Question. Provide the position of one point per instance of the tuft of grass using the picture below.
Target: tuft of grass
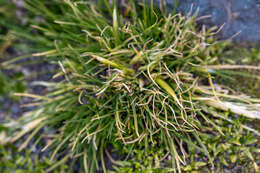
(136, 78)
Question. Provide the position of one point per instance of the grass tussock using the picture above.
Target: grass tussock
(135, 78)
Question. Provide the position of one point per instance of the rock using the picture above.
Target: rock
(241, 17)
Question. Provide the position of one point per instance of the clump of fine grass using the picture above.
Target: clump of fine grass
(133, 78)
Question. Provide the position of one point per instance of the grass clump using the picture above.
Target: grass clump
(136, 79)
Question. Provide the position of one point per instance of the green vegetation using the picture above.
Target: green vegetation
(11, 84)
(249, 80)
(14, 161)
(10, 81)
(137, 80)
